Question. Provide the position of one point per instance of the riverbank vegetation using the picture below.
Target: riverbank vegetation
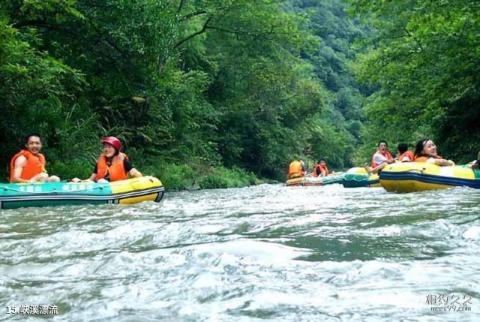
(192, 85)
(218, 93)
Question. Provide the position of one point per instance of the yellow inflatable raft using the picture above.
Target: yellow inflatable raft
(305, 181)
(418, 176)
(336, 177)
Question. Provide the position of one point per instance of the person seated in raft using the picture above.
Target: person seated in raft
(296, 169)
(475, 165)
(28, 165)
(426, 151)
(112, 165)
(381, 158)
(320, 169)
(403, 154)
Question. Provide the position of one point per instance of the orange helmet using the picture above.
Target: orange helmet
(113, 141)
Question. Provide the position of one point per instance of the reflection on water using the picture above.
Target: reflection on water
(265, 252)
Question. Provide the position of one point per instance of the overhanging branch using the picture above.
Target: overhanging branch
(201, 31)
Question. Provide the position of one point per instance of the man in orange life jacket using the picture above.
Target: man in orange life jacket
(112, 165)
(320, 169)
(381, 158)
(28, 165)
(403, 154)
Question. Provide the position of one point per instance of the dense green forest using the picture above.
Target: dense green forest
(423, 62)
(189, 86)
(216, 93)
(338, 132)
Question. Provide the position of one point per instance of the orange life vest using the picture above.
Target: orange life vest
(386, 155)
(320, 170)
(35, 165)
(407, 154)
(424, 158)
(295, 169)
(116, 170)
(324, 170)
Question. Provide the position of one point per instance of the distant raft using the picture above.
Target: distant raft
(358, 177)
(419, 176)
(316, 181)
(16, 195)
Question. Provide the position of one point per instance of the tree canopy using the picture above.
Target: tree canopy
(423, 61)
(235, 83)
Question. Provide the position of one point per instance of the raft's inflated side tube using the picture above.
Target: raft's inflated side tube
(316, 181)
(358, 177)
(16, 195)
(305, 181)
(418, 176)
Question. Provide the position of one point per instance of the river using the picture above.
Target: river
(259, 253)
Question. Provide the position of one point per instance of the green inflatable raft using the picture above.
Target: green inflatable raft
(13, 195)
(358, 177)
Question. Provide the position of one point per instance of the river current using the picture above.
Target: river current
(259, 253)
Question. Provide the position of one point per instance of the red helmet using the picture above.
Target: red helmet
(113, 141)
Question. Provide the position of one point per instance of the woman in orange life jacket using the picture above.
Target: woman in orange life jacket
(112, 165)
(426, 151)
(380, 158)
(403, 154)
(320, 169)
(28, 165)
